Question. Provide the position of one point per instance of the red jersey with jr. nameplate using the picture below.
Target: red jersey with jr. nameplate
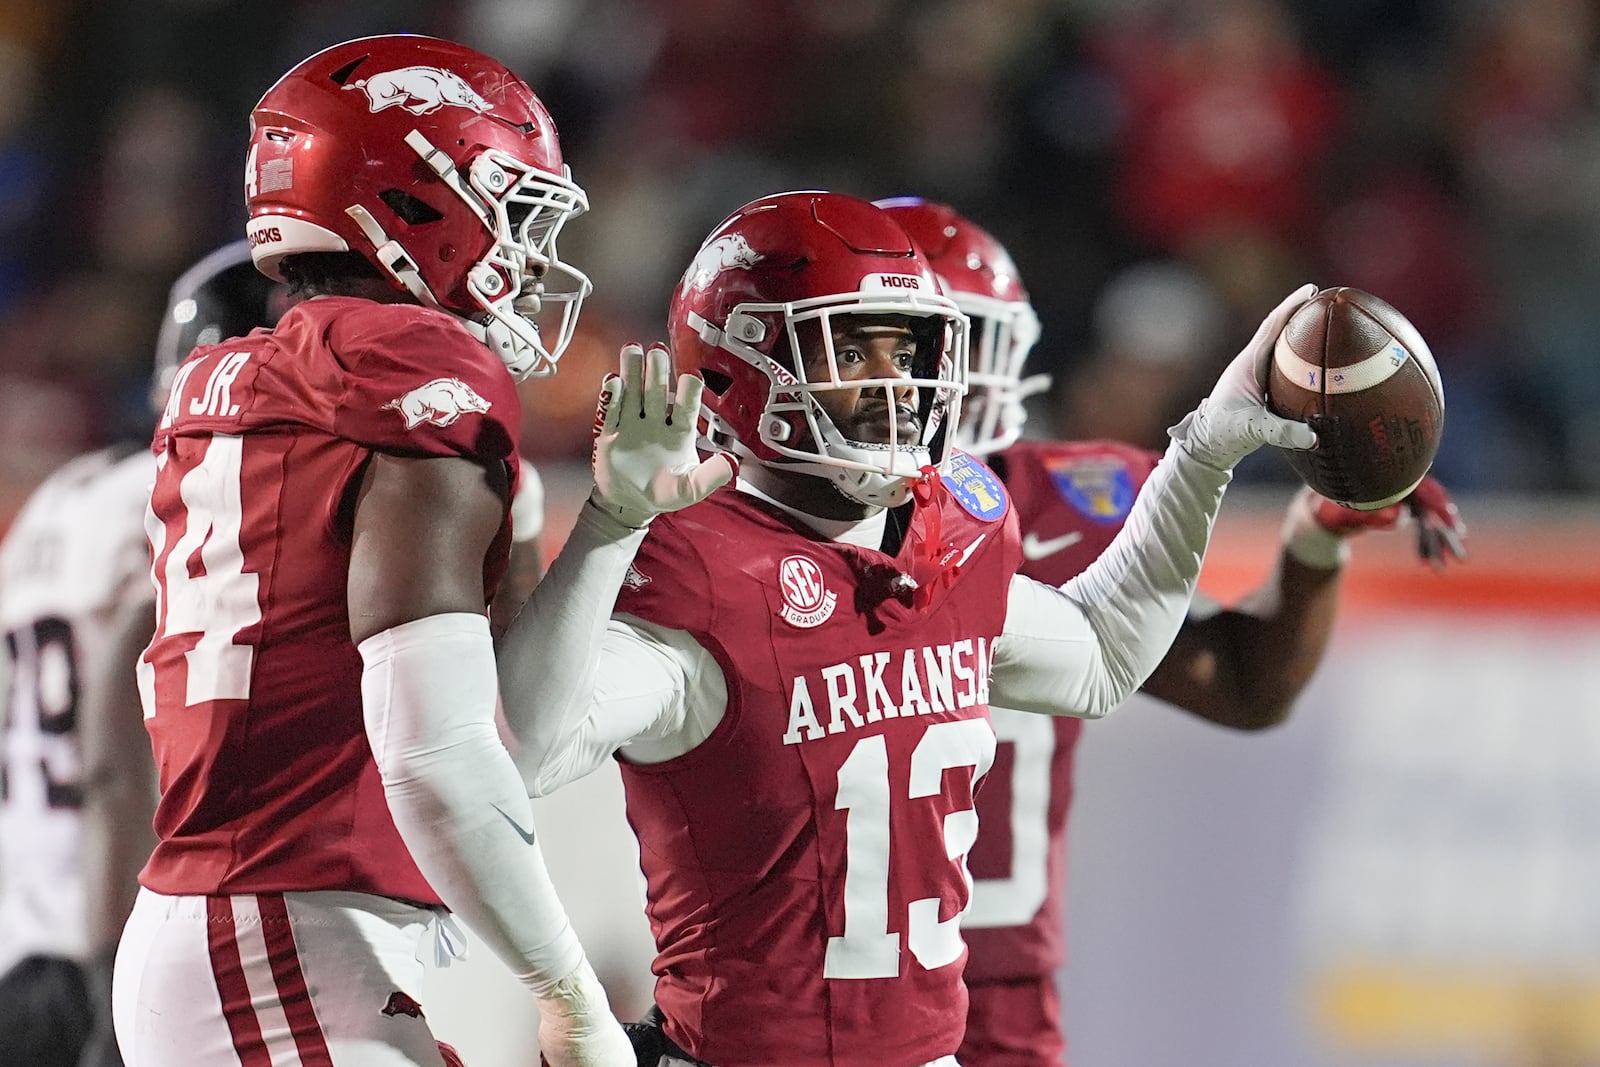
(252, 684)
(805, 863)
(1071, 499)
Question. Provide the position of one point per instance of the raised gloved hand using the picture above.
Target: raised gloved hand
(1234, 421)
(645, 461)
(1316, 530)
(576, 1026)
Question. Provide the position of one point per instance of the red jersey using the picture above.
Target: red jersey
(252, 684)
(805, 863)
(1071, 499)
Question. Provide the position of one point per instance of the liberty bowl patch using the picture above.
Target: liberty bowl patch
(1101, 489)
(974, 486)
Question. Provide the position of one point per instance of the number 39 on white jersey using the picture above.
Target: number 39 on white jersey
(74, 556)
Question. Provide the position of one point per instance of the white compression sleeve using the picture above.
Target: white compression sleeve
(428, 693)
(1133, 598)
(548, 656)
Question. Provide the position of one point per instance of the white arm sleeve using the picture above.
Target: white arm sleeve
(1084, 648)
(657, 695)
(549, 655)
(428, 694)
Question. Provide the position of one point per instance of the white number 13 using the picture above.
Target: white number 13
(868, 948)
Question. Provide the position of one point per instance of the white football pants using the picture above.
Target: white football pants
(274, 980)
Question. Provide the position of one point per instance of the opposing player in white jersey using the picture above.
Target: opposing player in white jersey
(1239, 667)
(77, 784)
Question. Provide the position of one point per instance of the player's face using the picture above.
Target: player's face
(866, 347)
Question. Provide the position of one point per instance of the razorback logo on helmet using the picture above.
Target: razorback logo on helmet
(725, 253)
(881, 283)
(420, 90)
(441, 402)
(807, 600)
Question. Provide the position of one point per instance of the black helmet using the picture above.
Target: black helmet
(221, 296)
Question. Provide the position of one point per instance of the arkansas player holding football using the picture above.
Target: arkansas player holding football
(78, 783)
(329, 520)
(1241, 667)
(797, 674)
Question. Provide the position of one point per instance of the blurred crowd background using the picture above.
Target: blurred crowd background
(1162, 170)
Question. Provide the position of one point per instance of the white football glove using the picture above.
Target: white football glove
(645, 461)
(576, 1026)
(1234, 421)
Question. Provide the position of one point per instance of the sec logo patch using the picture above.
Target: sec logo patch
(974, 486)
(807, 600)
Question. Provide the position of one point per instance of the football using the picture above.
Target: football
(1360, 374)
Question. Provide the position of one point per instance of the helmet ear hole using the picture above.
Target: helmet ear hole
(716, 381)
(411, 210)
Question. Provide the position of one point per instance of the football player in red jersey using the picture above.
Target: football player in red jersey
(78, 786)
(328, 521)
(1240, 667)
(797, 675)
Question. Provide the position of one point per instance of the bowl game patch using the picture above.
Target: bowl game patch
(975, 487)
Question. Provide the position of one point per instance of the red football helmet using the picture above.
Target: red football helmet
(440, 166)
(977, 272)
(792, 262)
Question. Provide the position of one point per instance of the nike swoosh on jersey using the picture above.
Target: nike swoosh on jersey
(1033, 548)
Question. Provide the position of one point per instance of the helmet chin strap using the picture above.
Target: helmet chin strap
(520, 357)
(394, 259)
(877, 487)
(872, 487)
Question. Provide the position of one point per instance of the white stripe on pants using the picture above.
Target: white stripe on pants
(353, 952)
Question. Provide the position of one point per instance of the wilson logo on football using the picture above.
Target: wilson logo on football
(807, 601)
(440, 402)
(420, 90)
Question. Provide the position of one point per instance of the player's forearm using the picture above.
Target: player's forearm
(428, 691)
(549, 657)
(1135, 596)
(657, 694)
(1244, 667)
